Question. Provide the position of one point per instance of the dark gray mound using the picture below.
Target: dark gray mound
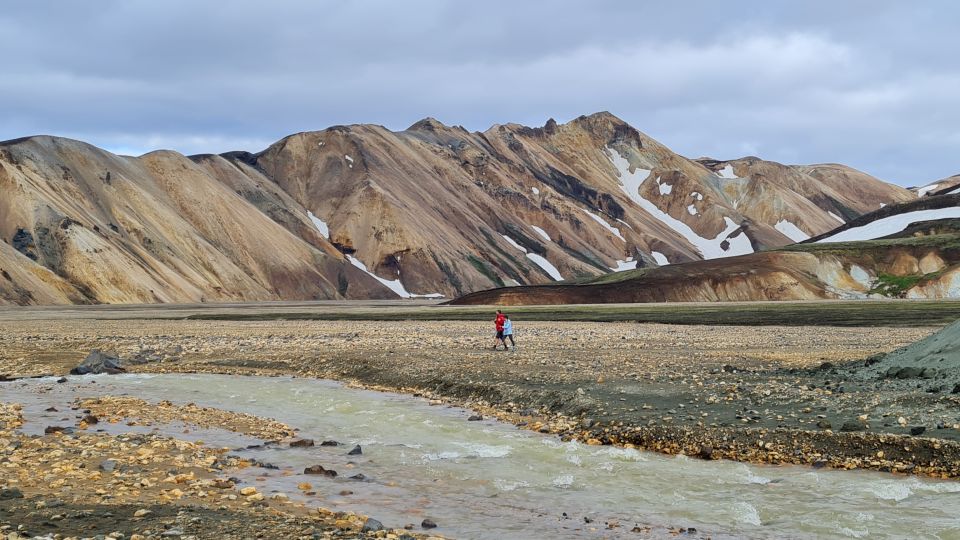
(935, 357)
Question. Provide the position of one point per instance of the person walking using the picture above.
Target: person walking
(498, 324)
(508, 333)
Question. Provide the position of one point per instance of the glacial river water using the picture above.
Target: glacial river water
(489, 480)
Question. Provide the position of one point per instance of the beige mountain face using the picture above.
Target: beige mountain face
(363, 212)
(82, 225)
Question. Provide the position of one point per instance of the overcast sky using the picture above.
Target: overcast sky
(872, 84)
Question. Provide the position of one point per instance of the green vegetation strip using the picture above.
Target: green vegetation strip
(838, 313)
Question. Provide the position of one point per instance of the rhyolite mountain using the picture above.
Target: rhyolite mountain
(364, 212)
(905, 250)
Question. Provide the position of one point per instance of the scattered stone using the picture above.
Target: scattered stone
(851, 426)
(62, 380)
(428, 524)
(329, 443)
(301, 443)
(90, 419)
(319, 470)
(917, 430)
(10, 493)
(107, 465)
(371, 525)
(356, 451)
(475, 418)
(143, 512)
(98, 363)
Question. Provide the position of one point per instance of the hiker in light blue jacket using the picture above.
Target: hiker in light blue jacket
(508, 333)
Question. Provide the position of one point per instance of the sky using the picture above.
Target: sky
(870, 84)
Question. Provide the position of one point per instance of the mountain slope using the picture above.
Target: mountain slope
(152, 229)
(363, 212)
(917, 258)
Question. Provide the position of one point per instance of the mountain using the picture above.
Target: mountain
(363, 212)
(908, 250)
(947, 186)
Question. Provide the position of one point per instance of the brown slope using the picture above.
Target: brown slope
(925, 264)
(152, 229)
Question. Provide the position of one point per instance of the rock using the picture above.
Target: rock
(356, 451)
(706, 452)
(956, 389)
(10, 493)
(108, 465)
(301, 443)
(247, 491)
(53, 429)
(359, 477)
(329, 443)
(90, 419)
(820, 463)
(825, 424)
(97, 363)
(474, 418)
(172, 532)
(428, 524)
(917, 430)
(143, 512)
(318, 469)
(371, 525)
(850, 426)
(62, 380)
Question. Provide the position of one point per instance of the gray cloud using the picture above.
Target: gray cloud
(871, 84)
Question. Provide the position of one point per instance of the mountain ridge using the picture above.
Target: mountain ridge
(359, 211)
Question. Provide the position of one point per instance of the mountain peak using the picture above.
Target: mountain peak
(427, 124)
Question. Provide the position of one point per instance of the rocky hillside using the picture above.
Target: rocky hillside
(363, 212)
(910, 250)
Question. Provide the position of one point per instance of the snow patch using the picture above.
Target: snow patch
(882, 205)
(697, 195)
(349, 160)
(613, 230)
(954, 192)
(692, 210)
(727, 172)
(539, 260)
(541, 232)
(709, 248)
(514, 243)
(891, 225)
(861, 276)
(550, 269)
(836, 217)
(394, 285)
(628, 264)
(660, 258)
(630, 182)
(665, 189)
(791, 231)
(535, 191)
(924, 190)
(320, 224)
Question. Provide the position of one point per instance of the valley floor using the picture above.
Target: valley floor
(774, 394)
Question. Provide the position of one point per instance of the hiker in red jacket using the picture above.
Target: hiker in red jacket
(498, 323)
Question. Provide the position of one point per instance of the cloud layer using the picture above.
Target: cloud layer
(875, 85)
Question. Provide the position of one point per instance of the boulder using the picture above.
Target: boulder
(97, 363)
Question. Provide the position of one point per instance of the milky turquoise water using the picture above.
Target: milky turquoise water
(492, 480)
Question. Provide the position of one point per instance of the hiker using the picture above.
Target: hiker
(508, 333)
(498, 324)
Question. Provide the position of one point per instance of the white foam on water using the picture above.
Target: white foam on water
(509, 485)
(485, 450)
(891, 491)
(563, 481)
(745, 512)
